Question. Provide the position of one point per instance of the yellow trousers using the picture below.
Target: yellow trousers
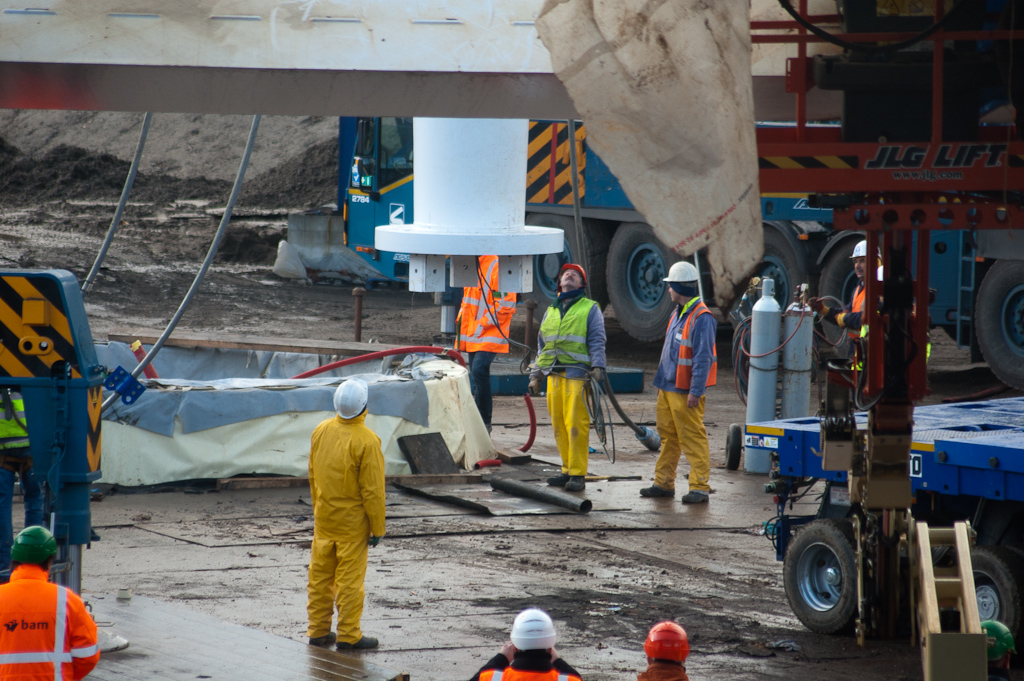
(571, 422)
(682, 431)
(337, 571)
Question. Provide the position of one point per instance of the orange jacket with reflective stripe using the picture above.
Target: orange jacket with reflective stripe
(511, 674)
(684, 365)
(857, 306)
(486, 316)
(45, 631)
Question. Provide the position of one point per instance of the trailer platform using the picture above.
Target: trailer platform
(970, 448)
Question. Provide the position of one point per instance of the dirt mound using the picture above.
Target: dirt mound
(68, 172)
(307, 180)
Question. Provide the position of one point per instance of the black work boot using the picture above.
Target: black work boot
(325, 640)
(655, 491)
(362, 644)
(576, 484)
(558, 480)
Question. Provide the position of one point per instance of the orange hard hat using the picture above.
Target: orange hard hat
(571, 266)
(667, 641)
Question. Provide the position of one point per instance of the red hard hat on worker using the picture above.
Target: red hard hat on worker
(570, 266)
(667, 641)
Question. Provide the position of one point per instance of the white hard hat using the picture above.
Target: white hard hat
(879, 273)
(533, 630)
(350, 398)
(860, 250)
(682, 271)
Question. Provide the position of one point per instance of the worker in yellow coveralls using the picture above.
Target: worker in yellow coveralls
(346, 482)
(572, 344)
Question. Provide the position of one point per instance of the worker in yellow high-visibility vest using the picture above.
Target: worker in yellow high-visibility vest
(572, 344)
(15, 459)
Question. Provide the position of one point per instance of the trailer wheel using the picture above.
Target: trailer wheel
(637, 263)
(546, 267)
(998, 580)
(999, 321)
(733, 446)
(820, 576)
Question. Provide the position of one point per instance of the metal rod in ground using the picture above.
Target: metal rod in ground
(548, 496)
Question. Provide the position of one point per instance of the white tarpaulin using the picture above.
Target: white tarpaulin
(278, 444)
(665, 91)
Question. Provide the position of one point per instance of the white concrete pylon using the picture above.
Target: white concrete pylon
(470, 198)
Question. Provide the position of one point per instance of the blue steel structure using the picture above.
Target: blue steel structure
(961, 453)
(47, 350)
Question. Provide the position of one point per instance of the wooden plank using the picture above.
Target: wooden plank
(195, 339)
(928, 607)
(970, 622)
(159, 633)
(426, 479)
(513, 457)
(275, 482)
(281, 482)
(428, 453)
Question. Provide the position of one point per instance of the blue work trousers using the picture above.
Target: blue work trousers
(33, 499)
(480, 379)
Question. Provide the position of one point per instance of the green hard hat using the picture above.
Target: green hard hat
(1000, 640)
(33, 545)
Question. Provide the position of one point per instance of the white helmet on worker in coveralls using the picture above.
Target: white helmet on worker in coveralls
(860, 250)
(350, 398)
(533, 630)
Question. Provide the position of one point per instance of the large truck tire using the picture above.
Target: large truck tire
(838, 281)
(637, 264)
(546, 267)
(782, 265)
(998, 581)
(999, 321)
(820, 576)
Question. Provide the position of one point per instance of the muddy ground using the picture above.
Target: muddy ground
(443, 587)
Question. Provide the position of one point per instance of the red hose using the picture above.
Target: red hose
(533, 424)
(140, 355)
(383, 353)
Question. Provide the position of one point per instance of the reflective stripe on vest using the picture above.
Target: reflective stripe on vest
(13, 425)
(58, 656)
(566, 337)
(684, 363)
(485, 322)
(513, 674)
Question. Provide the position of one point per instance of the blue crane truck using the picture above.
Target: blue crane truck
(979, 302)
(966, 463)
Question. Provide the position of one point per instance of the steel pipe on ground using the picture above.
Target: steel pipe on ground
(525, 489)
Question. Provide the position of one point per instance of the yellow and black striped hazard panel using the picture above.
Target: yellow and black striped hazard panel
(548, 169)
(808, 162)
(34, 330)
(93, 441)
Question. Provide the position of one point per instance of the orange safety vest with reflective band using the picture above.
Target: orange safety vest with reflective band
(684, 364)
(510, 674)
(857, 306)
(45, 632)
(485, 319)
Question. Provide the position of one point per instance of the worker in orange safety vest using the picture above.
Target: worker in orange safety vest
(484, 322)
(851, 318)
(45, 631)
(530, 654)
(688, 367)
